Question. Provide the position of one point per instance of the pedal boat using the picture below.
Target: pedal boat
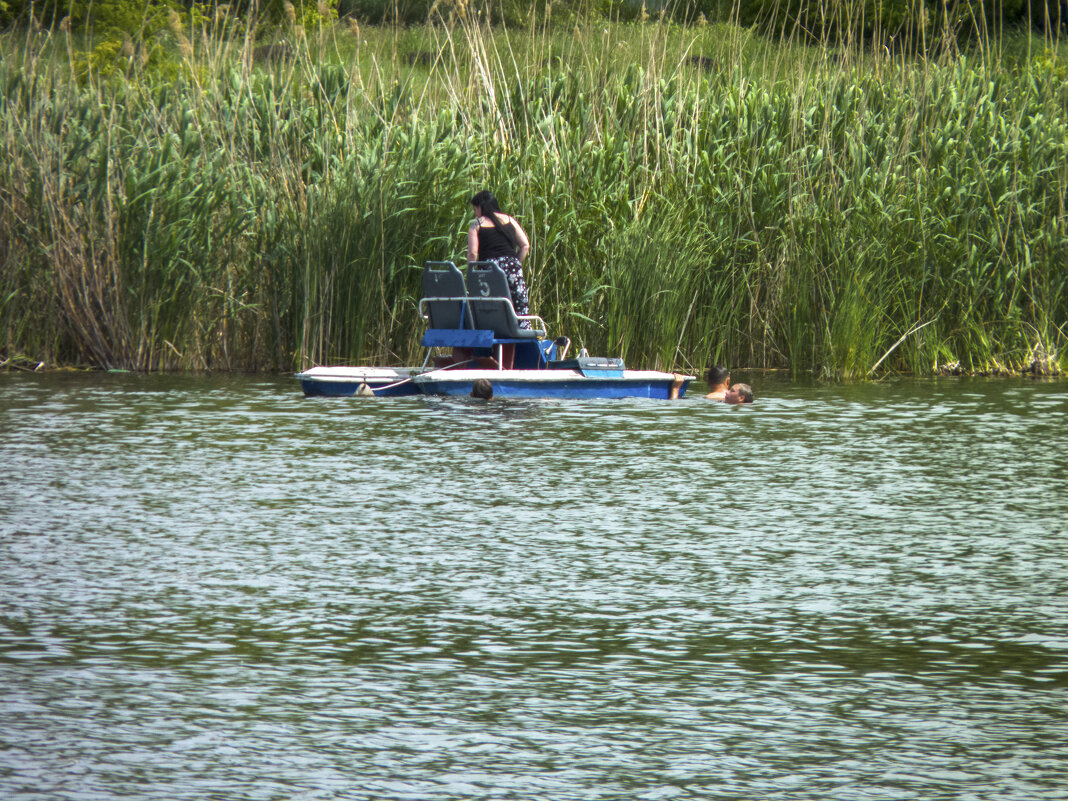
(473, 318)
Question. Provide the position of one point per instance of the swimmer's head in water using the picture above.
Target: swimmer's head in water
(739, 393)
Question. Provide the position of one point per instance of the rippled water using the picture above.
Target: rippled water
(213, 588)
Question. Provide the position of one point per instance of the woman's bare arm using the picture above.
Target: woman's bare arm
(523, 244)
(472, 242)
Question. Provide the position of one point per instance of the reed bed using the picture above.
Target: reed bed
(694, 195)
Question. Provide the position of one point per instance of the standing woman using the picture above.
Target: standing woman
(494, 236)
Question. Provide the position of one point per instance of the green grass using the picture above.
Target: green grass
(693, 195)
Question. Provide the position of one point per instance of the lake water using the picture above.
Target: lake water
(213, 588)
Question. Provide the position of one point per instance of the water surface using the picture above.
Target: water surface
(213, 588)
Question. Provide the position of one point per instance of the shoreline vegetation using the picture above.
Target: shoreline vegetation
(205, 196)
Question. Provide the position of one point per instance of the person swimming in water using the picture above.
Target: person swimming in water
(719, 378)
(482, 388)
(739, 393)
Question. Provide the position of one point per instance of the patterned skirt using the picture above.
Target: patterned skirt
(516, 285)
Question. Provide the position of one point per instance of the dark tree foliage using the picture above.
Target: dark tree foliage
(138, 16)
(920, 22)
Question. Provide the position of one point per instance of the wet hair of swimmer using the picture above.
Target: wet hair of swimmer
(482, 388)
(745, 392)
(717, 375)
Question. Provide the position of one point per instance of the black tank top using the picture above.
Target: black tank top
(493, 244)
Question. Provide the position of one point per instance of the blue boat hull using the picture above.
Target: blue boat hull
(317, 389)
(342, 382)
(554, 384)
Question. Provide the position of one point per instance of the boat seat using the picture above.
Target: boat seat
(491, 305)
(444, 302)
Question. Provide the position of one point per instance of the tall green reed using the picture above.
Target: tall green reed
(693, 195)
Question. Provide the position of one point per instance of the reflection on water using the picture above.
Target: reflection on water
(215, 588)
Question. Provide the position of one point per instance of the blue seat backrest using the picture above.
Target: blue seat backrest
(486, 280)
(443, 279)
(491, 302)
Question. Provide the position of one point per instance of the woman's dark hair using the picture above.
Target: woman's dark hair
(485, 201)
(488, 203)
